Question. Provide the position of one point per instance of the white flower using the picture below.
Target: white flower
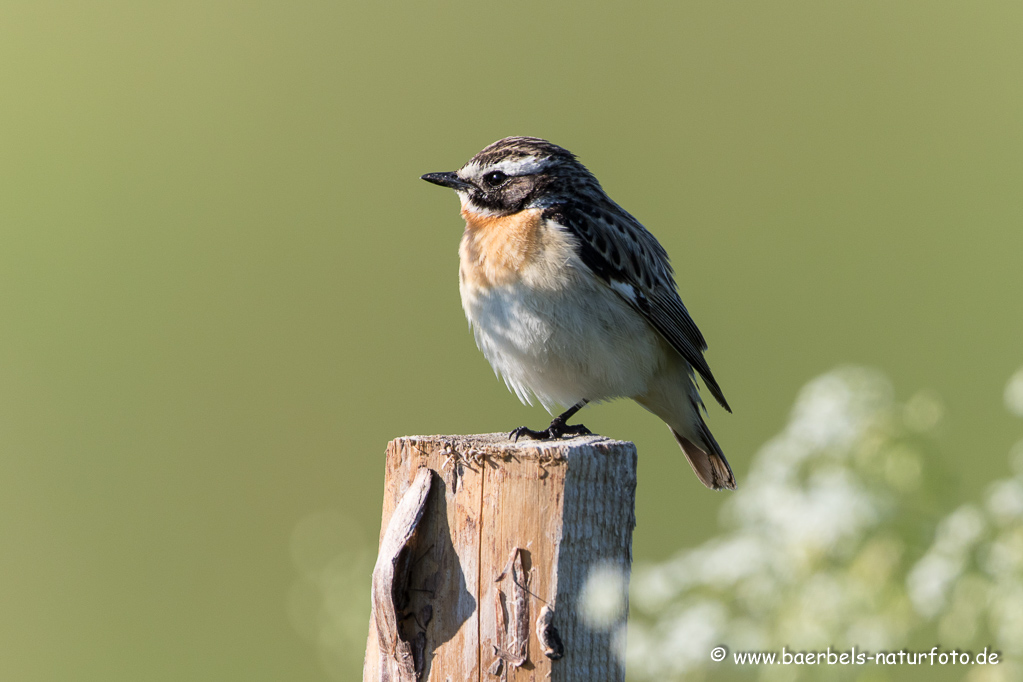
(1014, 393)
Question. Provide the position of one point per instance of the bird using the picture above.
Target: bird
(573, 301)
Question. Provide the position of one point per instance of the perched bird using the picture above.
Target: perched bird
(572, 301)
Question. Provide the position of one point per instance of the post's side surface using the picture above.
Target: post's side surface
(488, 587)
(599, 515)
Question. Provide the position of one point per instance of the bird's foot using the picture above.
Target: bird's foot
(557, 429)
(526, 431)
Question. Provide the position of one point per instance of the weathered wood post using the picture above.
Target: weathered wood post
(485, 548)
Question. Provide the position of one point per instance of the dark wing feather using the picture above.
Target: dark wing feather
(619, 250)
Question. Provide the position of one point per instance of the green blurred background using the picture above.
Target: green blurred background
(223, 287)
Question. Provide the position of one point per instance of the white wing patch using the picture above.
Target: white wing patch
(625, 290)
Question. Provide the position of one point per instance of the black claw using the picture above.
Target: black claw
(557, 429)
(526, 431)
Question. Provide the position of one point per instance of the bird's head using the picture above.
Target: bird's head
(514, 174)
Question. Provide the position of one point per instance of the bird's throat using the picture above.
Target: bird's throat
(495, 249)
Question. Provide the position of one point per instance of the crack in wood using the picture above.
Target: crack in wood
(512, 637)
(400, 660)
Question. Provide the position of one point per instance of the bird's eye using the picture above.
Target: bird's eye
(494, 178)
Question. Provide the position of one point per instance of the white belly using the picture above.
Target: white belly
(564, 341)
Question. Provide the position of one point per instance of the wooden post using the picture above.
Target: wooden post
(485, 548)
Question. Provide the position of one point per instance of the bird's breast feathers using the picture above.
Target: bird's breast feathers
(500, 250)
(543, 320)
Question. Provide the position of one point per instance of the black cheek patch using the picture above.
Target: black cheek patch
(514, 193)
(487, 200)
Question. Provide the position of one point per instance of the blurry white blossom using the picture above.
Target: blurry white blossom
(923, 411)
(837, 538)
(604, 595)
(932, 577)
(1014, 393)
(328, 603)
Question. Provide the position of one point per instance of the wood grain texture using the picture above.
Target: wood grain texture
(508, 537)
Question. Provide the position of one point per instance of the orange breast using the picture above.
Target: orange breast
(496, 248)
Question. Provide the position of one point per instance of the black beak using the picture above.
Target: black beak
(448, 180)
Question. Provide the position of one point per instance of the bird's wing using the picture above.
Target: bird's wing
(619, 250)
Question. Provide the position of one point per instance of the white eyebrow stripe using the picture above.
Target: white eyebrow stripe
(524, 166)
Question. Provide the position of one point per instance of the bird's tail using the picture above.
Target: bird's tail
(672, 396)
(706, 458)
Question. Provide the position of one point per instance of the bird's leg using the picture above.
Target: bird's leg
(558, 427)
